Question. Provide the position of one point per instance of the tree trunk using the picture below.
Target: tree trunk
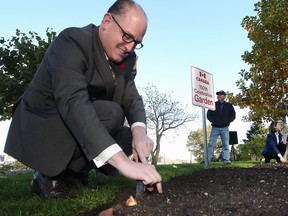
(284, 126)
(156, 152)
(284, 131)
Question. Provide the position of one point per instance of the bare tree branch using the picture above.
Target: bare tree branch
(163, 114)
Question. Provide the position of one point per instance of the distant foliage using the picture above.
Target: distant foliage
(195, 144)
(256, 128)
(14, 166)
(20, 57)
(252, 147)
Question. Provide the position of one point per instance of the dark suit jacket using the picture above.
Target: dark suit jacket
(271, 143)
(223, 115)
(55, 112)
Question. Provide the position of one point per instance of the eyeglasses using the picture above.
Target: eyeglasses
(127, 37)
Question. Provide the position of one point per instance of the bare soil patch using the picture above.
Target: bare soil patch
(261, 190)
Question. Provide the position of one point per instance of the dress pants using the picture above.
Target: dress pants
(111, 115)
(271, 154)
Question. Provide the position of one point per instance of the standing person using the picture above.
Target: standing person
(274, 148)
(221, 118)
(69, 119)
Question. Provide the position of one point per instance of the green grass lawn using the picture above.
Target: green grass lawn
(17, 199)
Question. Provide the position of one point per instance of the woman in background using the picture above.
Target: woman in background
(274, 148)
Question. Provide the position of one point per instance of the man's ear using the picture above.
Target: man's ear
(107, 19)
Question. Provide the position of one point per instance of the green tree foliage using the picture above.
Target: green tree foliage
(252, 147)
(256, 128)
(251, 150)
(163, 114)
(195, 144)
(20, 57)
(264, 87)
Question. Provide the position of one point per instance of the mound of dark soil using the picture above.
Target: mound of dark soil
(261, 190)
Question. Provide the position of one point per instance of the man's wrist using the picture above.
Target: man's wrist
(141, 124)
(102, 158)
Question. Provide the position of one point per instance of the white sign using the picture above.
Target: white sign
(202, 88)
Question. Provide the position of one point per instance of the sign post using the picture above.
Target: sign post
(203, 96)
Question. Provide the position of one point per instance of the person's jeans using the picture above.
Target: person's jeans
(224, 134)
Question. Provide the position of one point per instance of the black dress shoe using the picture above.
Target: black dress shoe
(77, 180)
(50, 188)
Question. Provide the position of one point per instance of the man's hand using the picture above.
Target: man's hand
(282, 159)
(137, 171)
(142, 145)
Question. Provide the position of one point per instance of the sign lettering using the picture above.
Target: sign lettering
(202, 88)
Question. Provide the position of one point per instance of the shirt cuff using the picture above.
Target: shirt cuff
(105, 155)
(138, 124)
(279, 155)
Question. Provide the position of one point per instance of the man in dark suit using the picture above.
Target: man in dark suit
(70, 118)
